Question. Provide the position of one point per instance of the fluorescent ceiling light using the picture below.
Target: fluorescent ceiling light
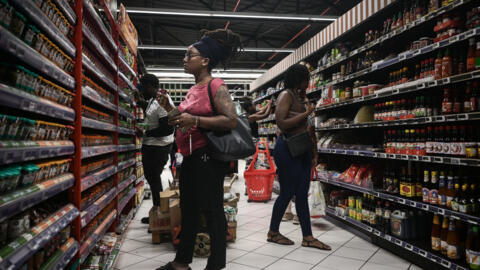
(214, 74)
(215, 70)
(184, 48)
(231, 15)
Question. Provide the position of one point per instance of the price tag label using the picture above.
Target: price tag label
(370, 229)
(425, 207)
(388, 237)
(454, 38)
(422, 253)
(446, 80)
(409, 247)
(446, 263)
(441, 211)
(401, 200)
(413, 204)
(398, 242)
(376, 232)
(436, 45)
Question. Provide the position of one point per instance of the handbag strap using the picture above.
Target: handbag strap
(210, 97)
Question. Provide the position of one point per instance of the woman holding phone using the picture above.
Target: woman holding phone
(202, 176)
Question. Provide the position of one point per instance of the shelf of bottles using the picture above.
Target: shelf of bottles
(401, 125)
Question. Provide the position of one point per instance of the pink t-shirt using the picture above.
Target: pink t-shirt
(197, 103)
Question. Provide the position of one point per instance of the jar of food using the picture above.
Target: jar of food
(30, 35)
(28, 174)
(364, 90)
(17, 24)
(6, 13)
(39, 42)
(15, 227)
(425, 41)
(13, 126)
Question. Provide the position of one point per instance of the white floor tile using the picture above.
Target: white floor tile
(165, 257)
(246, 245)
(384, 257)
(144, 265)
(306, 256)
(289, 265)
(374, 266)
(275, 250)
(415, 267)
(256, 260)
(153, 250)
(126, 259)
(236, 266)
(233, 254)
(354, 253)
(359, 243)
(258, 237)
(129, 245)
(339, 263)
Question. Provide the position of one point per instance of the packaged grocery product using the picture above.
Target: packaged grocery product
(6, 13)
(30, 35)
(28, 174)
(17, 24)
(3, 233)
(15, 227)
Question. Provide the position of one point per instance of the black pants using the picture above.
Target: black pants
(154, 159)
(201, 191)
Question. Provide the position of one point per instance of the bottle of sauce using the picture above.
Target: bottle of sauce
(457, 102)
(450, 192)
(447, 65)
(471, 55)
(379, 214)
(475, 97)
(473, 258)
(433, 194)
(403, 183)
(447, 103)
(444, 236)
(426, 186)
(438, 66)
(473, 199)
(447, 140)
(436, 242)
(469, 100)
(470, 144)
(442, 189)
(459, 194)
(453, 241)
(477, 56)
(465, 204)
(386, 218)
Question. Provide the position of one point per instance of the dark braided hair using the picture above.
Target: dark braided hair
(295, 75)
(246, 103)
(230, 41)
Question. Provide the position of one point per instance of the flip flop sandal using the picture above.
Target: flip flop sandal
(278, 238)
(310, 244)
(169, 266)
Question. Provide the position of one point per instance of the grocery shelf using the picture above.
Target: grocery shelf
(18, 99)
(409, 87)
(15, 254)
(93, 95)
(97, 177)
(90, 10)
(382, 64)
(125, 64)
(400, 243)
(91, 151)
(37, 150)
(125, 183)
(125, 113)
(126, 131)
(427, 159)
(397, 199)
(93, 210)
(67, 11)
(88, 244)
(46, 26)
(393, 34)
(266, 121)
(112, 258)
(95, 124)
(405, 122)
(267, 133)
(87, 63)
(10, 43)
(123, 226)
(96, 47)
(128, 147)
(68, 251)
(126, 199)
(140, 180)
(125, 164)
(127, 81)
(125, 97)
(257, 100)
(20, 200)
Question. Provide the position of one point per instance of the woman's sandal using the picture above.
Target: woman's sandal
(310, 244)
(277, 238)
(169, 266)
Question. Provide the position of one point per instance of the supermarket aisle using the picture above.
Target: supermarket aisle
(251, 251)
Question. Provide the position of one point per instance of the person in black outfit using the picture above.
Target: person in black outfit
(158, 138)
(253, 115)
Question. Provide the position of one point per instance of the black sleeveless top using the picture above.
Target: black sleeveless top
(254, 129)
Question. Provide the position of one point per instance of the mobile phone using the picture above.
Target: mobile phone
(163, 91)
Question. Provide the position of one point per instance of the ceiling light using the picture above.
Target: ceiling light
(184, 48)
(215, 70)
(215, 74)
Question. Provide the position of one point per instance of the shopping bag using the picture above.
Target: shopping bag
(316, 199)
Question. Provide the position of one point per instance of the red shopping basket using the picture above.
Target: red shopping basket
(260, 182)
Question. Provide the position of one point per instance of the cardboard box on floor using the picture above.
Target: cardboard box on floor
(165, 217)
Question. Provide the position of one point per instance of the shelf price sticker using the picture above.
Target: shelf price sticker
(409, 247)
(423, 253)
(376, 232)
(445, 263)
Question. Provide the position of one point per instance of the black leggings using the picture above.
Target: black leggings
(154, 159)
(294, 178)
(201, 191)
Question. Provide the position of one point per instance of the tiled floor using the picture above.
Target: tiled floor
(251, 251)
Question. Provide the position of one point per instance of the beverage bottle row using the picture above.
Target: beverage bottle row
(450, 189)
(456, 241)
(448, 140)
(421, 106)
(461, 101)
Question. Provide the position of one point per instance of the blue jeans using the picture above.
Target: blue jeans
(294, 178)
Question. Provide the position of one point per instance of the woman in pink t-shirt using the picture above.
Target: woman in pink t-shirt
(201, 177)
